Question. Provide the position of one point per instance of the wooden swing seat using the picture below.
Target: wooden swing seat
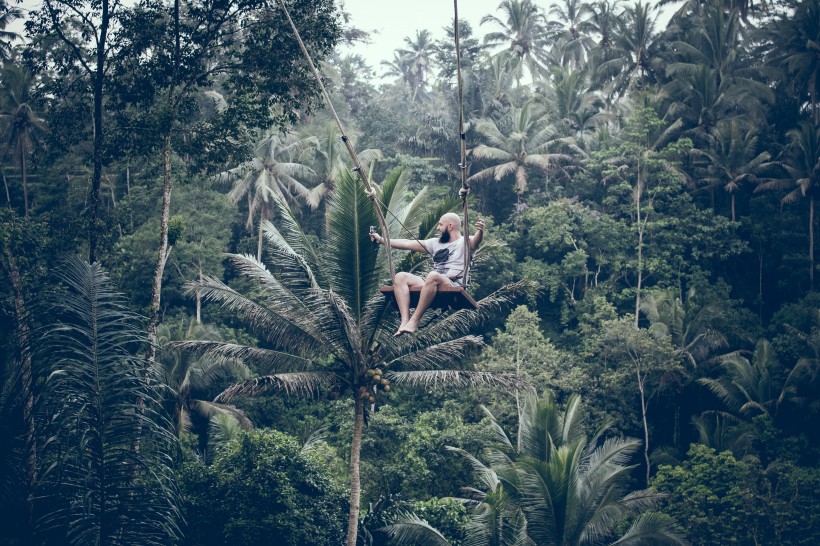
(447, 297)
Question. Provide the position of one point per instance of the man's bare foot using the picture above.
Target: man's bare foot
(408, 328)
(401, 330)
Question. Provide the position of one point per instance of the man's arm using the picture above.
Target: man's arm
(400, 244)
(475, 239)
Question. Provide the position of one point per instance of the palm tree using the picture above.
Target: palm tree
(690, 325)
(273, 174)
(553, 485)
(96, 488)
(733, 159)
(569, 29)
(418, 55)
(328, 157)
(802, 164)
(574, 102)
(185, 375)
(631, 62)
(8, 14)
(759, 387)
(795, 37)
(319, 310)
(22, 125)
(711, 81)
(518, 143)
(523, 29)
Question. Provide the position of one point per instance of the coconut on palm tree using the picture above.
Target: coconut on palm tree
(325, 326)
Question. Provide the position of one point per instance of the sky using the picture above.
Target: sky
(390, 21)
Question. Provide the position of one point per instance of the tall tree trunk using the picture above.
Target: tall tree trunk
(97, 90)
(199, 297)
(355, 478)
(6, 185)
(643, 417)
(24, 337)
(811, 242)
(640, 263)
(24, 177)
(164, 250)
(733, 206)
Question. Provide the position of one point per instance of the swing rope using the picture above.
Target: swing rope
(357, 166)
(465, 188)
(369, 190)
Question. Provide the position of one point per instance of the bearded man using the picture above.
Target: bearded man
(447, 251)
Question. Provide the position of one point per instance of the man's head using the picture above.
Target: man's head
(449, 227)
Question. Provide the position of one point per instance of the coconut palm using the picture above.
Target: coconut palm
(795, 37)
(328, 157)
(574, 102)
(96, 392)
(22, 126)
(715, 83)
(325, 325)
(272, 175)
(757, 387)
(185, 375)
(8, 14)
(419, 57)
(631, 62)
(521, 141)
(802, 163)
(690, 325)
(569, 28)
(523, 28)
(553, 485)
(733, 160)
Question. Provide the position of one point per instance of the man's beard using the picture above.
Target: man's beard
(445, 237)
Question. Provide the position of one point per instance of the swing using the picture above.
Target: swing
(447, 297)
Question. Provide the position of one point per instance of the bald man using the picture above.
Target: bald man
(447, 251)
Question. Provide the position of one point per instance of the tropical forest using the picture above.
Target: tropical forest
(211, 209)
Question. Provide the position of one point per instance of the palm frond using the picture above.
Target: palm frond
(351, 261)
(433, 379)
(298, 383)
(269, 359)
(434, 356)
(408, 528)
(652, 528)
(97, 393)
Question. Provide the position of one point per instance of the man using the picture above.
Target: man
(447, 251)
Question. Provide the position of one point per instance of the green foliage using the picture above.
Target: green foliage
(720, 500)
(522, 348)
(261, 488)
(405, 454)
(551, 485)
(106, 469)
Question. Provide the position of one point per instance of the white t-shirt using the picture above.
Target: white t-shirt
(448, 258)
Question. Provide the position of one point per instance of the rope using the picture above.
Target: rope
(465, 188)
(350, 150)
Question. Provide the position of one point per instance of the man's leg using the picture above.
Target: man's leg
(401, 291)
(428, 292)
